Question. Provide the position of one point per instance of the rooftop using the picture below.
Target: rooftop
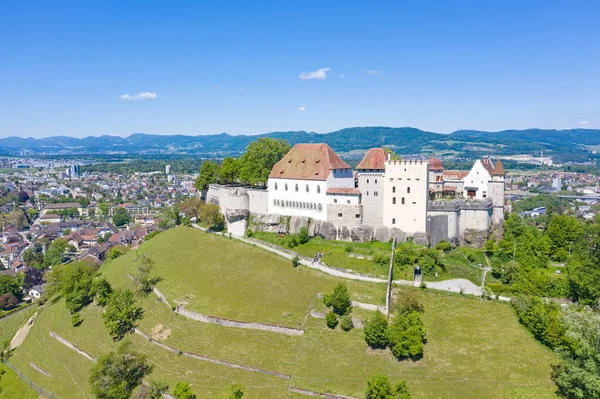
(308, 162)
(373, 159)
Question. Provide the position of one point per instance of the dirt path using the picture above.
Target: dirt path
(20, 336)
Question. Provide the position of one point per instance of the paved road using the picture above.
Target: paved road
(454, 285)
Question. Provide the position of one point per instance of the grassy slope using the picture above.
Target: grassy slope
(10, 324)
(12, 387)
(475, 348)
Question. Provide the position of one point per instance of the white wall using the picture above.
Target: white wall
(312, 197)
(410, 217)
(259, 201)
(369, 183)
(478, 177)
(343, 199)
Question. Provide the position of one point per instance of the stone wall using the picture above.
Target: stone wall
(345, 215)
(461, 221)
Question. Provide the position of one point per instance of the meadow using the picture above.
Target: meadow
(475, 348)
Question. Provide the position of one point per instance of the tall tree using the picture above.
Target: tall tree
(121, 217)
(259, 158)
(8, 285)
(121, 313)
(209, 173)
(117, 374)
(230, 169)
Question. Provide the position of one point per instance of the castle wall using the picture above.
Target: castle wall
(258, 201)
(370, 183)
(345, 215)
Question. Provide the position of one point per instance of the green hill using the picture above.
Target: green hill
(475, 348)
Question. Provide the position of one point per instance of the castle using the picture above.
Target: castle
(311, 186)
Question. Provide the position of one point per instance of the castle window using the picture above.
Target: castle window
(357, 216)
(403, 202)
(408, 190)
(296, 187)
(367, 181)
(376, 193)
(307, 188)
(394, 200)
(394, 189)
(394, 221)
(367, 193)
(275, 186)
(335, 201)
(274, 202)
(319, 190)
(348, 201)
(320, 207)
(285, 186)
(339, 215)
(375, 181)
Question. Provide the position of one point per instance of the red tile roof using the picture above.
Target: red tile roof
(487, 164)
(498, 169)
(435, 163)
(458, 174)
(342, 190)
(308, 162)
(373, 159)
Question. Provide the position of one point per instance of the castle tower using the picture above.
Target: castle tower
(496, 193)
(436, 177)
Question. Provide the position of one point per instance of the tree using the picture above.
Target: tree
(33, 277)
(157, 389)
(121, 314)
(121, 217)
(563, 231)
(236, 391)
(17, 219)
(303, 237)
(103, 291)
(209, 173)
(577, 375)
(260, 157)
(104, 209)
(117, 374)
(117, 251)
(376, 331)
(339, 301)
(331, 319)
(211, 215)
(22, 196)
(52, 257)
(32, 214)
(409, 300)
(75, 282)
(183, 391)
(8, 300)
(9, 285)
(378, 387)
(230, 169)
(406, 335)
(143, 273)
(191, 206)
(346, 323)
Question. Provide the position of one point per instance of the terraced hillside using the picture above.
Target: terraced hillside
(475, 348)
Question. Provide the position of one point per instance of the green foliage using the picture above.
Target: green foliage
(230, 170)
(75, 282)
(121, 217)
(339, 300)
(551, 202)
(152, 235)
(346, 323)
(190, 206)
(75, 319)
(157, 389)
(406, 335)
(577, 375)
(260, 157)
(211, 215)
(249, 233)
(381, 259)
(121, 314)
(376, 327)
(8, 285)
(142, 276)
(236, 391)
(444, 246)
(183, 391)
(562, 231)
(303, 236)
(379, 387)
(295, 261)
(117, 374)
(116, 251)
(8, 301)
(290, 240)
(331, 319)
(542, 319)
(409, 300)
(348, 247)
(209, 173)
(103, 291)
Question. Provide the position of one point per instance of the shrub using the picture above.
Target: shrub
(379, 387)
(376, 331)
(249, 233)
(290, 241)
(381, 259)
(348, 247)
(295, 261)
(339, 300)
(303, 235)
(75, 319)
(406, 335)
(183, 391)
(443, 245)
(103, 291)
(422, 285)
(409, 300)
(346, 323)
(331, 319)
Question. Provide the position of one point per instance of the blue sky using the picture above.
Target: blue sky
(217, 66)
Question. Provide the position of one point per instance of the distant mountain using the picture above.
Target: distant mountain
(575, 144)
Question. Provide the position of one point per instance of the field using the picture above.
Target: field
(475, 348)
(12, 322)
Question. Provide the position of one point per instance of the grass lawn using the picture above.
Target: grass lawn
(12, 387)
(11, 323)
(216, 276)
(475, 348)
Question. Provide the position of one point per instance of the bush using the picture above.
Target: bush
(183, 391)
(379, 387)
(376, 331)
(295, 261)
(75, 319)
(409, 300)
(499, 289)
(339, 300)
(381, 259)
(331, 319)
(249, 233)
(348, 247)
(103, 291)
(406, 335)
(346, 323)
(443, 245)
(290, 241)
(303, 235)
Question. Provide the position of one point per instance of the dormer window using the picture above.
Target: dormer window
(318, 160)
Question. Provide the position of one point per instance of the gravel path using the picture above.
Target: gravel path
(20, 336)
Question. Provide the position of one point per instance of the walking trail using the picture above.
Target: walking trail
(20, 336)
(458, 285)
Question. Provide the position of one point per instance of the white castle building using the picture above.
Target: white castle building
(312, 186)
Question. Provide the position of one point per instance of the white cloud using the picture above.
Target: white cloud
(241, 89)
(584, 123)
(302, 109)
(217, 87)
(318, 74)
(341, 75)
(141, 96)
(373, 72)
